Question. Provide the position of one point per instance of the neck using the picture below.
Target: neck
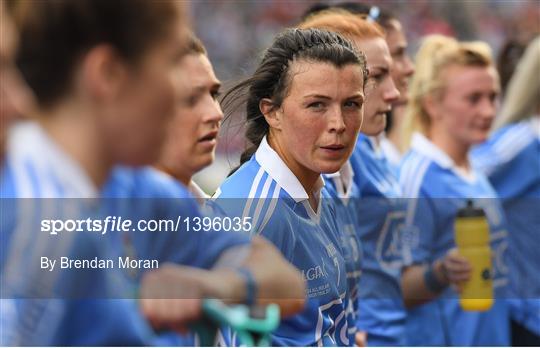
(376, 139)
(394, 135)
(74, 131)
(308, 179)
(457, 151)
(181, 175)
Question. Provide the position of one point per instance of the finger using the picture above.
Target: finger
(457, 266)
(360, 339)
(461, 278)
(454, 256)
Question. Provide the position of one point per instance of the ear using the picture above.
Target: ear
(271, 113)
(103, 73)
(430, 103)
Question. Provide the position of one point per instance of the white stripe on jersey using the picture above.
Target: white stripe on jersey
(318, 329)
(511, 137)
(216, 194)
(252, 192)
(343, 333)
(412, 182)
(504, 148)
(262, 200)
(271, 208)
(413, 175)
(512, 144)
(405, 172)
(422, 169)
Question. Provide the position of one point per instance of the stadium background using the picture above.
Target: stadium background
(235, 33)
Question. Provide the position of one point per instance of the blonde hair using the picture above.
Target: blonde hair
(522, 98)
(348, 25)
(437, 53)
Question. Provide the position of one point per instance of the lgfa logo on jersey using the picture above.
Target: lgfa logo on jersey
(316, 272)
(319, 271)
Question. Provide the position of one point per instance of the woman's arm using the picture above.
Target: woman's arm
(171, 296)
(423, 283)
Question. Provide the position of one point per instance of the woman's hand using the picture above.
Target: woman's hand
(171, 297)
(454, 269)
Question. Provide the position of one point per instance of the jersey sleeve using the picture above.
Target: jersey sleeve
(184, 235)
(270, 218)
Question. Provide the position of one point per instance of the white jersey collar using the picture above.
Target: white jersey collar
(535, 125)
(270, 161)
(197, 192)
(421, 144)
(343, 180)
(390, 151)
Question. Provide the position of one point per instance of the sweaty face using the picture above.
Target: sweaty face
(402, 67)
(319, 119)
(191, 141)
(380, 89)
(468, 105)
(136, 126)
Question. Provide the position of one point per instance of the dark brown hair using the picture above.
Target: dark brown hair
(55, 34)
(272, 79)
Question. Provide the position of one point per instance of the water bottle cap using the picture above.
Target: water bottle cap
(470, 211)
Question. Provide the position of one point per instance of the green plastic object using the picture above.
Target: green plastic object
(253, 325)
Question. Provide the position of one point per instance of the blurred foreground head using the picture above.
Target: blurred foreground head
(14, 97)
(107, 65)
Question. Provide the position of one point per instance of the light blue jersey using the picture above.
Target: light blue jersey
(511, 160)
(149, 194)
(40, 307)
(344, 193)
(36, 168)
(265, 190)
(431, 176)
(381, 214)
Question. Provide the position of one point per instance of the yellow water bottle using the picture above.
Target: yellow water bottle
(472, 240)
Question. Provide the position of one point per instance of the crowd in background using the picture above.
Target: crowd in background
(251, 25)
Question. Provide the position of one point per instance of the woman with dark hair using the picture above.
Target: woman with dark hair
(375, 206)
(303, 111)
(402, 69)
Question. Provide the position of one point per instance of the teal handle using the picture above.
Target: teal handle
(253, 325)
